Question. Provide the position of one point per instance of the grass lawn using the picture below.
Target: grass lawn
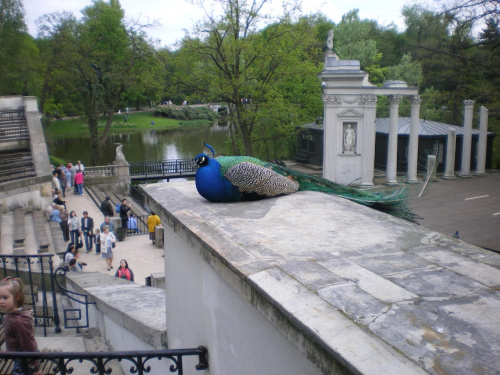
(136, 121)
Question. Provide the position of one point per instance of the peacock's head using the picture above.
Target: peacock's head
(201, 159)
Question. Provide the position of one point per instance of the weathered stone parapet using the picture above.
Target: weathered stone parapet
(134, 311)
(351, 289)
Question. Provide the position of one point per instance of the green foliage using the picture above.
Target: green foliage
(136, 121)
(186, 113)
(407, 70)
(55, 161)
(18, 52)
(353, 39)
(376, 73)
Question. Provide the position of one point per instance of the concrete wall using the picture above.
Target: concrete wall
(129, 316)
(209, 311)
(34, 192)
(312, 283)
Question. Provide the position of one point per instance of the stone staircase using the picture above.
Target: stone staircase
(29, 232)
(69, 340)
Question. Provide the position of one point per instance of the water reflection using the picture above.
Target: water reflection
(144, 145)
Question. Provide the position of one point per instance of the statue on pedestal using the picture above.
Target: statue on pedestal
(329, 41)
(349, 139)
(120, 158)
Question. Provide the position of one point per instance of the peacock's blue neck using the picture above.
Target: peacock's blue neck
(212, 185)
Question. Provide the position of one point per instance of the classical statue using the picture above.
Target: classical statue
(329, 41)
(349, 138)
(120, 158)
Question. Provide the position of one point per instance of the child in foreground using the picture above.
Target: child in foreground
(18, 324)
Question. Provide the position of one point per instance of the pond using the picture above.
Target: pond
(147, 145)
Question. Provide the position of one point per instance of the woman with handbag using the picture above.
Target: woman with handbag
(108, 242)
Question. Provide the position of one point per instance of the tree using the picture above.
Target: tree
(17, 51)
(104, 56)
(473, 10)
(231, 61)
(353, 39)
(407, 70)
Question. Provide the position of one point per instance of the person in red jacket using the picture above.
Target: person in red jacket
(79, 182)
(124, 272)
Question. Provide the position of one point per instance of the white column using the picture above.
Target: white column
(413, 141)
(392, 149)
(330, 137)
(451, 144)
(467, 138)
(482, 144)
(367, 151)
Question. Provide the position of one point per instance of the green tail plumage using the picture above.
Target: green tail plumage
(394, 203)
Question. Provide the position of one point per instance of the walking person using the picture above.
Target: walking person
(74, 227)
(107, 221)
(18, 324)
(124, 209)
(107, 207)
(63, 214)
(56, 184)
(79, 182)
(64, 182)
(88, 230)
(97, 240)
(153, 221)
(108, 242)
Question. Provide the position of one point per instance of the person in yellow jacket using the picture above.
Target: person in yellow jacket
(153, 221)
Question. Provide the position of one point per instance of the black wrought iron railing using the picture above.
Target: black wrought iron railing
(36, 272)
(162, 169)
(137, 196)
(141, 362)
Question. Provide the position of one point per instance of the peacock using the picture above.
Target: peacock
(235, 178)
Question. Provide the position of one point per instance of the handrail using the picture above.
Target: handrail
(100, 360)
(73, 296)
(41, 319)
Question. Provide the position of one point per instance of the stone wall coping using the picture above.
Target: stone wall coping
(139, 309)
(378, 294)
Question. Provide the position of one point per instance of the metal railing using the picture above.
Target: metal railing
(99, 362)
(138, 197)
(163, 169)
(73, 315)
(140, 228)
(36, 272)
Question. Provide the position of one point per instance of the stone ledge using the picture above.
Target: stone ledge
(322, 269)
(138, 309)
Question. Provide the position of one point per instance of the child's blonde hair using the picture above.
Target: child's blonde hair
(15, 286)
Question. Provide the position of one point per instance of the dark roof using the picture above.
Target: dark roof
(425, 127)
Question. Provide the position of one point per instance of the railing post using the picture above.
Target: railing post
(57, 321)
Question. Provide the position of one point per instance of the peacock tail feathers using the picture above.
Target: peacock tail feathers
(393, 203)
(232, 178)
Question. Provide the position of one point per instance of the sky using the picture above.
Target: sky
(175, 16)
